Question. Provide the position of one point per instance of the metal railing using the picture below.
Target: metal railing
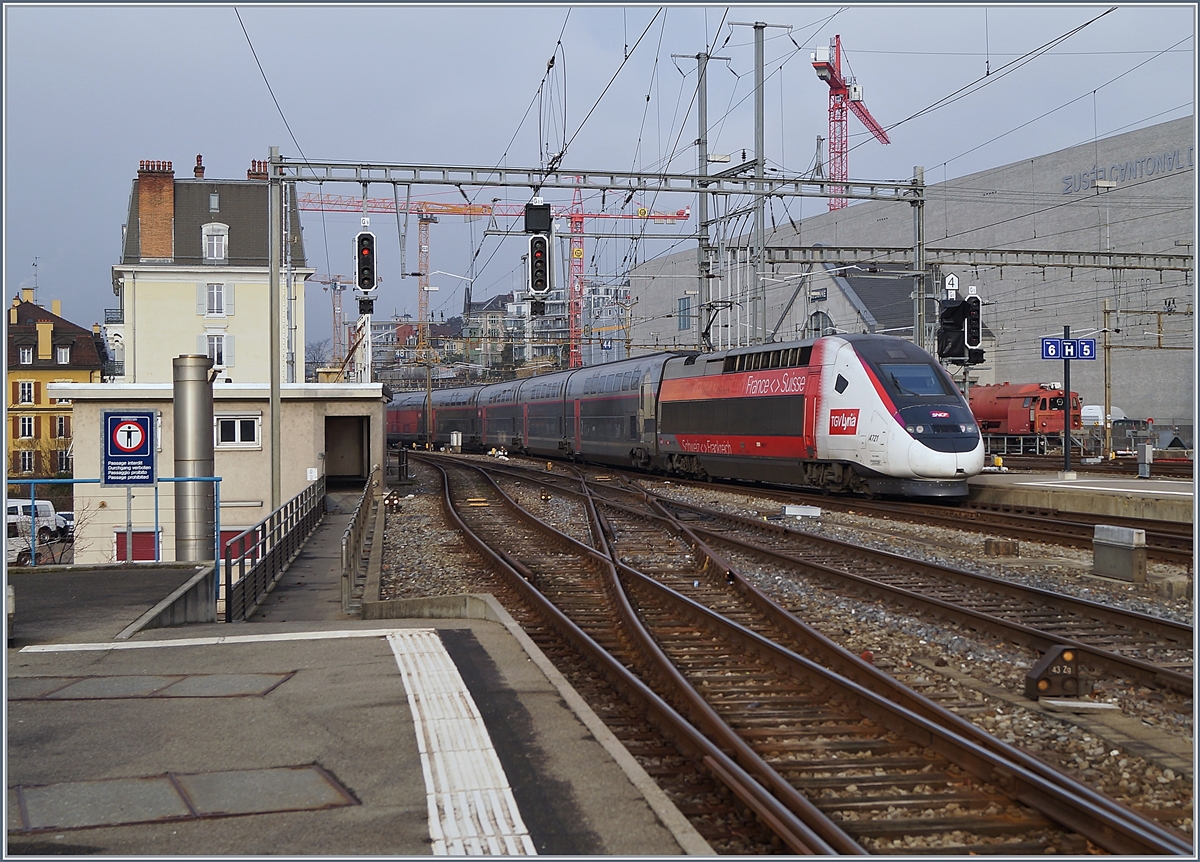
(114, 368)
(260, 555)
(114, 315)
(353, 569)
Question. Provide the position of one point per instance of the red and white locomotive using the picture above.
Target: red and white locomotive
(868, 413)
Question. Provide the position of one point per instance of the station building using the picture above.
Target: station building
(335, 431)
(1129, 194)
(193, 278)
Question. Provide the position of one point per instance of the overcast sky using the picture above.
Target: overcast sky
(92, 90)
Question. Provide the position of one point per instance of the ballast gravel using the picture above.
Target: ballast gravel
(424, 557)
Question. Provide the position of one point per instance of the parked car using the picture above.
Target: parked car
(50, 525)
(69, 518)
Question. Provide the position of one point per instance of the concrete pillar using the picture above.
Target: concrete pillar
(195, 509)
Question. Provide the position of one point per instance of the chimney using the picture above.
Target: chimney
(95, 329)
(257, 171)
(156, 211)
(198, 171)
(12, 313)
(45, 335)
(26, 294)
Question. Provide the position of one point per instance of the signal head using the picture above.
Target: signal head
(364, 266)
(539, 265)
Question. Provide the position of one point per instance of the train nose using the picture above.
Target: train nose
(971, 462)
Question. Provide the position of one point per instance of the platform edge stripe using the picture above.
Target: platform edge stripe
(444, 712)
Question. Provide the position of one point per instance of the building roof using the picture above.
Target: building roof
(242, 205)
(87, 348)
(493, 305)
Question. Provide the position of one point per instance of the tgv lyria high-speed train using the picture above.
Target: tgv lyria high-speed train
(866, 413)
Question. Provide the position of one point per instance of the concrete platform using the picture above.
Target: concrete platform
(1153, 499)
(311, 733)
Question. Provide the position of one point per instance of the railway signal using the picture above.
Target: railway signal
(974, 325)
(539, 266)
(951, 336)
(364, 267)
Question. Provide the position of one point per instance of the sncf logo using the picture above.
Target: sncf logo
(939, 414)
(843, 421)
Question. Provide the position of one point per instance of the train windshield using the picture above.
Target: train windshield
(914, 379)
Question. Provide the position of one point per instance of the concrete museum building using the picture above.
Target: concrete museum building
(1097, 237)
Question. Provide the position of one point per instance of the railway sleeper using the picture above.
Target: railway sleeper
(884, 828)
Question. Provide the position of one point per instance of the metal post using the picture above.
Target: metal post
(702, 198)
(428, 404)
(1066, 403)
(275, 217)
(758, 286)
(919, 257)
(128, 524)
(33, 527)
(195, 504)
(157, 543)
(1107, 387)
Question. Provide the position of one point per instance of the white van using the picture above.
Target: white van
(18, 545)
(49, 524)
(1091, 414)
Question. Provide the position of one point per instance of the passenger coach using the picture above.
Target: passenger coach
(865, 413)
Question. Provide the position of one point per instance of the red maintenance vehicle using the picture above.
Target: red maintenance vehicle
(1017, 417)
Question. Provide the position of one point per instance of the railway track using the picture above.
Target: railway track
(834, 755)
(1173, 469)
(1165, 541)
(1150, 649)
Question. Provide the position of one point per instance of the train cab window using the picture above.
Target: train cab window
(1043, 403)
(841, 384)
(1028, 400)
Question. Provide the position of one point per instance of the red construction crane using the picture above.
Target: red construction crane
(842, 92)
(427, 212)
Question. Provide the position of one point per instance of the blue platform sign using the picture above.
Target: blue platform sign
(1068, 348)
(606, 343)
(128, 448)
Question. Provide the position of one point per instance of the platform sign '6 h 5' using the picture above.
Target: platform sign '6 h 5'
(128, 448)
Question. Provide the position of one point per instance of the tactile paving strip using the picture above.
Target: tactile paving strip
(472, 811)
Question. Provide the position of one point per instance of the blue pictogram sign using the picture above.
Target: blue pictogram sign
(128, 448)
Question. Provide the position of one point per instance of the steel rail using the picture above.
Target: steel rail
(1137, 834)
(1057, 797)
(796, 834)
(1039, 638)
(1104, 821)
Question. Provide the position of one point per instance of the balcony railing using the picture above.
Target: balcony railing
(114, 368)
(114, 315)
